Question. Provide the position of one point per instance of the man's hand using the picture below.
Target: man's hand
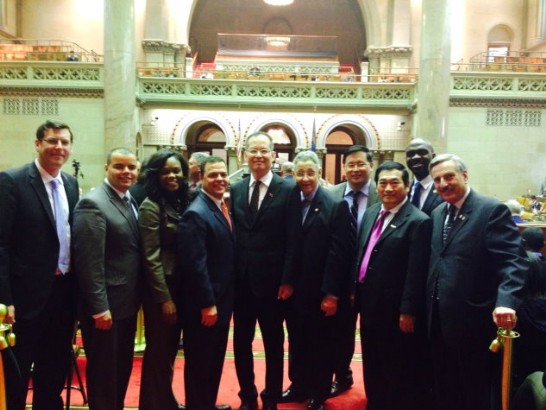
(285, 291)
(329, 305)
(209, 316)
(168, 309)
(104, 322)
(407, 323)
(505, 317)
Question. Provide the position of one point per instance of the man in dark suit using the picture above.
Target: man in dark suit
(391, 271)
(360, 193)
(36, 282)
(207, 249)
(259, 212)
(474, 285)
(419, 153)
(318, 266)
(107, 263)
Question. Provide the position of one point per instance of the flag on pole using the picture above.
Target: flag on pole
(314, 137)
(240, 143)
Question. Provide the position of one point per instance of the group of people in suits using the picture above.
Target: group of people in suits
(431, 266)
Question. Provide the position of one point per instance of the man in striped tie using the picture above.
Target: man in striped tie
(360, 192)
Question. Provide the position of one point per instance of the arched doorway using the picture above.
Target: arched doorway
(207, 137)
(337, 142)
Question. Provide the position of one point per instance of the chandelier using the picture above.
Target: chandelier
(279, 2)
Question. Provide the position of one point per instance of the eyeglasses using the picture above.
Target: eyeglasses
(55, 141)
(358, 165)
(262, 152)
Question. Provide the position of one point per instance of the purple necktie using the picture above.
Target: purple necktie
(374, 237)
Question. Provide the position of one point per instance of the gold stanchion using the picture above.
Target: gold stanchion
(7, 338)
(504, 342)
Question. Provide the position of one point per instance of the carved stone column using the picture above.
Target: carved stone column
(435, 73)
(119, 74)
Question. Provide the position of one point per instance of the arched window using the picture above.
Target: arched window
(499, 41)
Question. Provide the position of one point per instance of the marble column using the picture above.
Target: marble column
(119, 74)
(434, 73)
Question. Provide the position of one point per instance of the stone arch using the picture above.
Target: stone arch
(184, 124)
(288, 121)
(373, 140)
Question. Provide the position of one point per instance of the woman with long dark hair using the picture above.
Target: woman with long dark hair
(159, 213)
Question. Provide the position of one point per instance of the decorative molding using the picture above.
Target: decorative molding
(51, 92)
(160, 46)
(497, 102)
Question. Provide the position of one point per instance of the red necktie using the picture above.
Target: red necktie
(226, 215)
(374, 237)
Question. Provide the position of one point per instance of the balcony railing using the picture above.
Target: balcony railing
(382, 91)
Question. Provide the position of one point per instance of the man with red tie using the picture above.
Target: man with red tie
(207, 263)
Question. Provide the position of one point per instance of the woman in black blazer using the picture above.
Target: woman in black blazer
(159, 213)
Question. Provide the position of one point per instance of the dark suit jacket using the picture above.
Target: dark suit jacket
(432, 201)
(29, 247)
(207, 260)
(397, 270)
(107, 258)
(320, 252)
(481, 266)
(339, 192)
(261, 243)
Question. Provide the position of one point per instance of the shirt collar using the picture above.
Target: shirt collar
(218, 202)
(426, 181)
(266, 179)
(121, 194)
(365, 188)
(46, 177)
(394, 210)
(311, 196)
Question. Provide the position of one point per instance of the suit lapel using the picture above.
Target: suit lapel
(35, 180)
(218, 215)
(399, 219)
(118, 203)
(314, 210)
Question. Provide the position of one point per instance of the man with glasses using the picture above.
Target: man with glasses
(36, 284)
(259, 211)
(360, 192)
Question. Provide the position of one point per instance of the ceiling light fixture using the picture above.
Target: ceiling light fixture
(279, 2)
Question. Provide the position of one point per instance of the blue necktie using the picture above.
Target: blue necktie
(62, 229)
(416, 197)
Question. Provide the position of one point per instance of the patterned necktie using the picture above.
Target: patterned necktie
(62, 230)
(129, 206)
(305, 205)
(255, 198)
(354, 206)
(226, 215)
(416, 195)
(448, 225)
(374, 237)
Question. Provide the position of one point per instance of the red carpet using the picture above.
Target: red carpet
(353, 399)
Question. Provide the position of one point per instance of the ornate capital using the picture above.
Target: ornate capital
(391, 51)
(160, 46)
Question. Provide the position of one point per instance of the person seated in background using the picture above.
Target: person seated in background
(533, 241)
(287, 170)
(515, 209)
(534, 204)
